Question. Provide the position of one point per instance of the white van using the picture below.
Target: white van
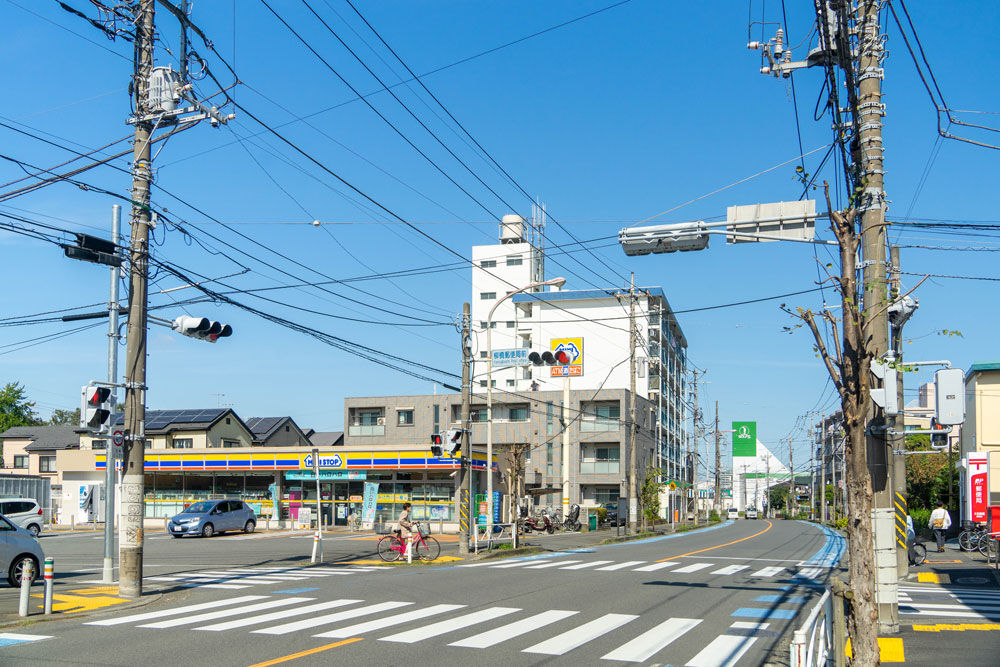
(732, 513)
(25, 512)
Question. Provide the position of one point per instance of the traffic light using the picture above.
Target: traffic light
(201, 328)
(557, 358)
(95, 409)
(938, 441)
(453, 442)
(93, 249)
(437, 444)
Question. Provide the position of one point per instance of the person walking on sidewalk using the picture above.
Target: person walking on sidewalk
(940, 521)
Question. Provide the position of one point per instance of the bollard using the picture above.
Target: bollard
(409, 550)
(49, 572)
(27, 572)
(315, 545)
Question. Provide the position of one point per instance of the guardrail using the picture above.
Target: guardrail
(507, 534)
(812, 642)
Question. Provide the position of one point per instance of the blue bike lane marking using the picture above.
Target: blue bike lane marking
(832, 550)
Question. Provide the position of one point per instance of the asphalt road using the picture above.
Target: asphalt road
(719, 596)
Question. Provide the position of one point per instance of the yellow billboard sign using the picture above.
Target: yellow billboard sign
(573, 347)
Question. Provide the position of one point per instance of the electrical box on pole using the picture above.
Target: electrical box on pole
(949, 396)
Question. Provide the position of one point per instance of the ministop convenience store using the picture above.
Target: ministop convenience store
(276, 482)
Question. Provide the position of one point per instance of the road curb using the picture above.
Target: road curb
(32, 619)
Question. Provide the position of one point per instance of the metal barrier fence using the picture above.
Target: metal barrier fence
(811, 643)
(507, 533)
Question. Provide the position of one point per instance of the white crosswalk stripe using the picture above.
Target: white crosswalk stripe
(768, 571)
(346, 618)
(331, 618)
(649, 643)
(450, 625)
(580, 635)
(723, 651)
(949, 602)
(243, 577)
(555, 563)
(519, 563)
(515, 629)
(277, 615)
(177, 610)
(619, 566)
(585, 565)
(656, 566)
(389, 621)
(731, 569)
(222, 613)
(694, 567)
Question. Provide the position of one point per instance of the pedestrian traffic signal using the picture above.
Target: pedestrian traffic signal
(453, 442)
(437, 444)
(201, 328)
(556, 358)
(938, 440)
(95, 409)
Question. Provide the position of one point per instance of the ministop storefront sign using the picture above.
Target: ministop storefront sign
(325, 475)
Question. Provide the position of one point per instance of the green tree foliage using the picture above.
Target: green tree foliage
(65, 417)
(649, 494)
(927, 474)
(15, 408)
(776, 497)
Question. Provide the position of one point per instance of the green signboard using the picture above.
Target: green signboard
(745, 439)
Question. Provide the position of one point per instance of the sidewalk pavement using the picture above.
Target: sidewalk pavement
(969, 640)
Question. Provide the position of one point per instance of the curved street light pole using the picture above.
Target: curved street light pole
(557, 282)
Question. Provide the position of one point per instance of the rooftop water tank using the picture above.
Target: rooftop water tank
(512, 229)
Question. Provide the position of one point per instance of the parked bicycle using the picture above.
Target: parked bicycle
(425, 547)
(919, 553)
(988, 546)
(968, 539)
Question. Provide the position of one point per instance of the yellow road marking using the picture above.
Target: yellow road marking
(743, 539)
(890, 649)
(929, 578)
(961, 627)
(302, 654)
(439, 559)
(943, 561)
(85, 599)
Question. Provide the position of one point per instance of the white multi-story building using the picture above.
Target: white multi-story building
(592, 323)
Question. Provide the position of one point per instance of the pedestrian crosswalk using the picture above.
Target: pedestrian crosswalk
(245, 577)
(452, 627)
(955, 602)
(554, 562)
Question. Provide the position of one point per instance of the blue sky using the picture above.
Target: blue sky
(609, 121)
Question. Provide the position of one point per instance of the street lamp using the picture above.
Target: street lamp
(555, 282)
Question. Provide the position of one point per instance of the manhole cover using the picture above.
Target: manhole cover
(971, 580)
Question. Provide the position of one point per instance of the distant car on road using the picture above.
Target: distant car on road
(732, 513)
(16, 544)
(210, 517)
(751, 513)
(25, 512)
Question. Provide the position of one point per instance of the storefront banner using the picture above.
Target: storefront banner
(310, 476)
(976, 490)
(368, 505)
(333, 461)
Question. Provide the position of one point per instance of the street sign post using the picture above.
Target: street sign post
(515, 356)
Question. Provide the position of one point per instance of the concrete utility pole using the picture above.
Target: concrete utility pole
(767, 485)
(694, 435)
(717, 504)
(133, 474)
(633, 462)
(873, 250)
(822, 470)
(812, 476)
(897, 441)
(109, 458)
(790, 500)
(465, 469)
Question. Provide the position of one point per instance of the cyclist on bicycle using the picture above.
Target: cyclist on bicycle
(403, 526)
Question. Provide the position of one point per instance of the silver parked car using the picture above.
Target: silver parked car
(209, 517)
(16, 544)
(25, 512)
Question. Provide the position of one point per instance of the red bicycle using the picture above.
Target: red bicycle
(391, 547)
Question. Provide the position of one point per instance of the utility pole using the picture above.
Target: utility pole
(109, 458)
(718, 464)
(897, 440)
(133, 473)
(767, 485)
(822, 470)
(869, 156)
(694, 434)
(790, 500)
(812, 475)
(633, 463)
(465, 470)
